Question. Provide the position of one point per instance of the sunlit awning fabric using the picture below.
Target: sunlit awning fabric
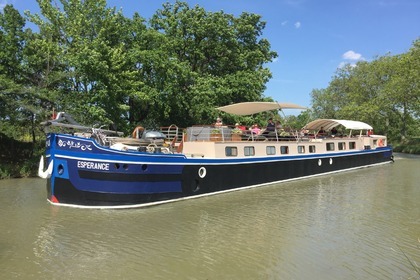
(327, 124)
(249, 108)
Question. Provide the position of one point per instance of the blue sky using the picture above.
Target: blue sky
(312, 37)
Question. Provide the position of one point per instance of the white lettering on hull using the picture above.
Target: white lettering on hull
(92, 165)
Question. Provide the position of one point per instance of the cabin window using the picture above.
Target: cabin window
(284, 149)
(301, 149)
(249, 151)
(352, 145)
(231, 151)
(312, 149)
(271, 150)
(330, 146)
(341, 146)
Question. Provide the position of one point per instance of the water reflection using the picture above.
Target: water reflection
(344, 226)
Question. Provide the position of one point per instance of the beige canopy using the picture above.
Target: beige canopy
(327, 124)
(249, 108)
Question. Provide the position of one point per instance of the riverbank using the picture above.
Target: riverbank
(408, 146)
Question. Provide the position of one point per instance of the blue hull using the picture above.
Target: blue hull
(86, 174)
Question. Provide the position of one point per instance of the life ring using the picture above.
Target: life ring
(380, 143)
(202, 172)
(137, 132)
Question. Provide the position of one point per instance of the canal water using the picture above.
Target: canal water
(362, 224)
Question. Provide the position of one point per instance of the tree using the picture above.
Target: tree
(94, 42)
(383, 92)
(402, 92)
(15, 104)
(211, 59)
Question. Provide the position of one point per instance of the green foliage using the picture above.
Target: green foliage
(409, 146)
(90, 61)
(297, 122)
(384, 93)
(212, 59)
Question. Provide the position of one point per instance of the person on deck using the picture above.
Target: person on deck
(218, 123)
(278, 126)
(270, 126)
(255, 129)
(240, 127)
(321, 132)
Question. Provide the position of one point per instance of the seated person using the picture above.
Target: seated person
(240, 127)
(333, 131)
(218, 122)
(321, 132)
(255, 129)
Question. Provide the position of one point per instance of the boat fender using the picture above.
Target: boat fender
(392, 158)
(319, 162)
(202, 172)
(47, 173)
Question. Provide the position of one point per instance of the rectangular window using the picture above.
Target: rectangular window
(231, 151)
(330, 146)
(312, 149)
(301, 149)
(271, 150)
(249, 151)
(284, 149)
(352, 145)
(341, 146)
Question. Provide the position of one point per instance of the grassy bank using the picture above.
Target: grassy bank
(19, 159)
(408, 146)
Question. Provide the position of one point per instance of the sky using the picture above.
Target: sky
(313, 38)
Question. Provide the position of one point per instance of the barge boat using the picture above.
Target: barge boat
(99, 168)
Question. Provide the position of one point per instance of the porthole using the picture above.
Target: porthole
(144, 167)
(60, 169)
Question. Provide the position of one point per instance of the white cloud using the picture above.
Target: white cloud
(351, 55)
(284, 23)
(297, 24)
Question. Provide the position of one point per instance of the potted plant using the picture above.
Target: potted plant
(215, 135)
(236, 134)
